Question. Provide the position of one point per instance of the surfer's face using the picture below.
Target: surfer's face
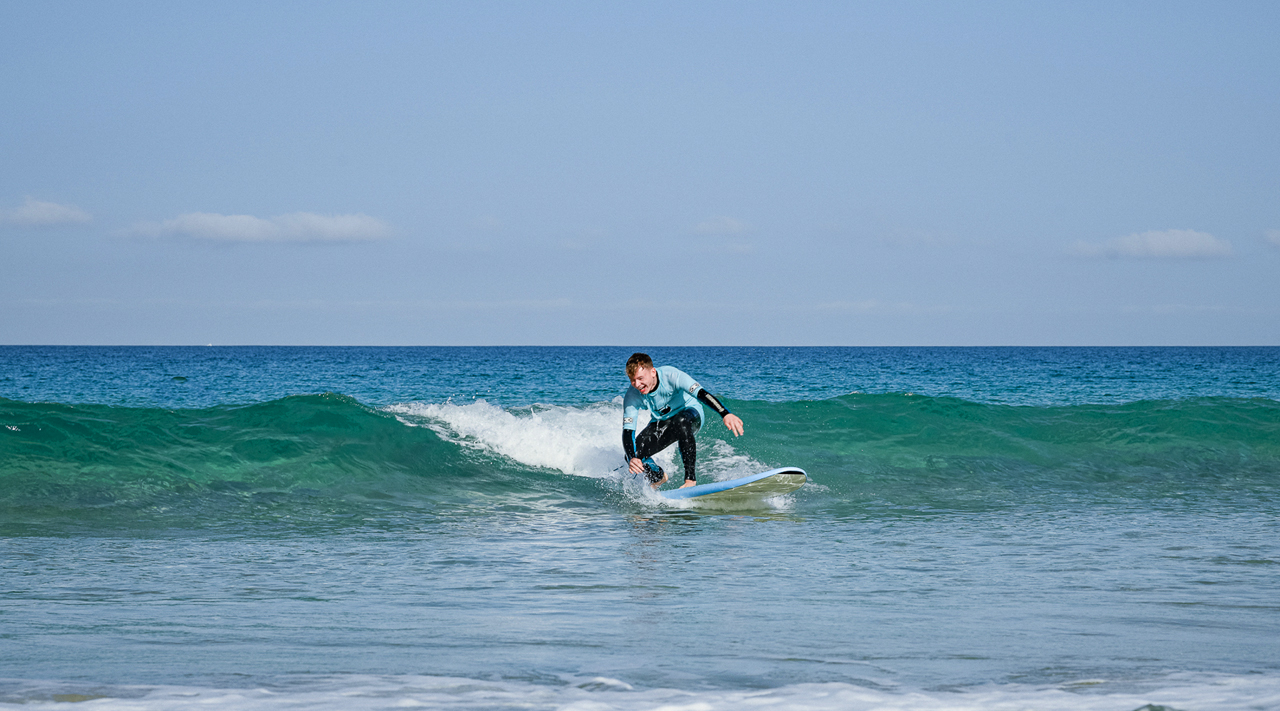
(645, 379)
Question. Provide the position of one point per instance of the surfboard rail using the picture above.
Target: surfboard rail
(774, 482)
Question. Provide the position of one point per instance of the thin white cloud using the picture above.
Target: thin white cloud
(914, 238)
(723, 235)
(876, 306)
(1166, 244)
(37, 213)
(1273, 236)
(294, 227)
(721, 226)
(1173, 309)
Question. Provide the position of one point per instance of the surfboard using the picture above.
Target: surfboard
(774, 482)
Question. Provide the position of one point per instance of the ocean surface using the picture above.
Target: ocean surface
(388, 528)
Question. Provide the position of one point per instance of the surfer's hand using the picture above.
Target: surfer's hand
(734, 423)
(636, 466)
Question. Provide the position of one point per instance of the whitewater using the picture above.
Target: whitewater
(376, 528)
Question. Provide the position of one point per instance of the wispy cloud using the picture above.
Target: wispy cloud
(294, 227)
(876, 306)
(1173, 309)
(1273, 236)
(1167, 244)
(721, 225)
(37, 213)
(920, 239)
(724, 235)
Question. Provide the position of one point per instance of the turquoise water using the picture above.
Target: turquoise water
(447, 527)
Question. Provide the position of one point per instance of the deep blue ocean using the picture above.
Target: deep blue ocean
(387, 528)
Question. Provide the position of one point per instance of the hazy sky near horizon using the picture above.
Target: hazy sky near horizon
(720, 173)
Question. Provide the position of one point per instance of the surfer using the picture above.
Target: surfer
(674, 401)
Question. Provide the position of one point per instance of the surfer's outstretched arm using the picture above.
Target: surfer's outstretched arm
(732, 421)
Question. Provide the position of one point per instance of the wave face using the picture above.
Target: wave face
(931, 450)
(323, 453)
(316, 451)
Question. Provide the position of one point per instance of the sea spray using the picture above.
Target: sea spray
(580, 441)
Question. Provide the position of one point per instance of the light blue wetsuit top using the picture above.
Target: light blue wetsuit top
(675, 391)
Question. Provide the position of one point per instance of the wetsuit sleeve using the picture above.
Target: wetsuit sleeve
(630, 411)
(710, 401)
(629, 443)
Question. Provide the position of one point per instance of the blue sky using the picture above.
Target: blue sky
(730, 173)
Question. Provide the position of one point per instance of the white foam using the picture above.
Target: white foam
(370, 693)
(580, 441)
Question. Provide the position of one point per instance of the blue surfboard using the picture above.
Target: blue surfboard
(774, 482)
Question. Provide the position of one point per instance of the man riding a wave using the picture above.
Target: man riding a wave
(674, 401)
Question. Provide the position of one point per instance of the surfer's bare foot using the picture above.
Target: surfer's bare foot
(688, 483)
(660, 482)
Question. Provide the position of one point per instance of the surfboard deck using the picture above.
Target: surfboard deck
(774, 482)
